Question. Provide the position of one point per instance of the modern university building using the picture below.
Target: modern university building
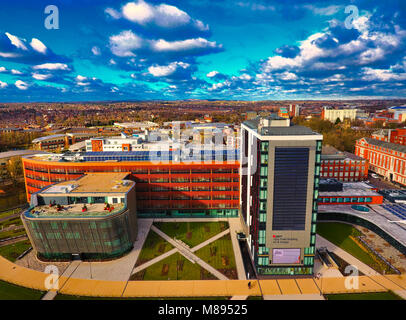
(93, 217)
(272, 187)
(280, 169)
(172, 179)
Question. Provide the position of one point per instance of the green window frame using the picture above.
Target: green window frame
(261, 236)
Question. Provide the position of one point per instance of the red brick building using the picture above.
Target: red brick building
(343, 166)
(208, 188)
(385, 158)
(397, 136)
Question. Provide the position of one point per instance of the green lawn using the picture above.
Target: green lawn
(220, 255)
(11, 233)
(12, 251)
(7, 213)
(364, 296)
(10, 291)
(192, 233)
(153, 247)
(339, 234)
(16, 221)
(174, 267)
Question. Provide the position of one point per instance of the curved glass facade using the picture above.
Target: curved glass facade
(91, 238)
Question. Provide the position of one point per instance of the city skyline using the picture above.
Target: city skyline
(168, 50)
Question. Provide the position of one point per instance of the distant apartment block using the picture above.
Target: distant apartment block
(137, 125)
(332, 115)
(399, 113)
(59, 141)
(293, 110)
(385, 158)
(280, 170)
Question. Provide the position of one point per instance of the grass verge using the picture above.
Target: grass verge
(12, 251)
(364, 296)
(10, 291)
(339, 234)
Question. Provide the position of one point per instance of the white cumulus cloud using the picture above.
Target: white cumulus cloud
(212, 74)
(124, 43)
(21, 85)
(51, 66)
(39, 76)
(162, 15)
(38, 46)
(164, 71)
(16, 41)
(183, 45)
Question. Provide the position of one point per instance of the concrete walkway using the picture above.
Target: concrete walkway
(51, 294)
(187, 253)
(119, 269)
(235, 227)
(29, 278)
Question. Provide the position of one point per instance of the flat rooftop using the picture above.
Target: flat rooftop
(349, 192)
(74, 211)
(274, 130)
(19, 153)
(331, 153)
(105, 182)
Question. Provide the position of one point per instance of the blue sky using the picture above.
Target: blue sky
(201, 49)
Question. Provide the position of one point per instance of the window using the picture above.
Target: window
(309, 250)
(263, 250)
(261, 237)
(312, 240)
(313, 228)
(263, 261)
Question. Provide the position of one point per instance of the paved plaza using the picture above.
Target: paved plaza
(110, 279)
